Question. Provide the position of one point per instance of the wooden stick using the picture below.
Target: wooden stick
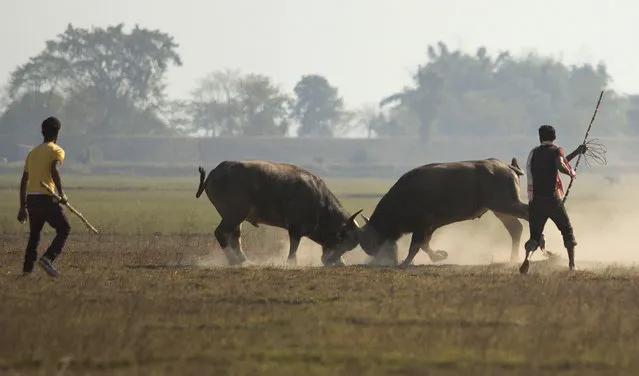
(585, 139)
(71, 208)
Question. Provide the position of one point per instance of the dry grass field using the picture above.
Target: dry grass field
(152, 295)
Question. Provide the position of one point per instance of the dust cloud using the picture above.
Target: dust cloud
(308, 255)
(604, 214)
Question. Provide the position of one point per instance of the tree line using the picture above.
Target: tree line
(110, 81)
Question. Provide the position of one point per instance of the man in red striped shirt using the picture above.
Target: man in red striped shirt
(545, 191)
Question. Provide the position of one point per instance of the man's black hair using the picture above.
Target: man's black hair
(547, 133)
(51, 128)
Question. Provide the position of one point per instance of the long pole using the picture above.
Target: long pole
(71, 208)
(585, 139)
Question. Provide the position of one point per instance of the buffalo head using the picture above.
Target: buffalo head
(376, 245)
(343, 240)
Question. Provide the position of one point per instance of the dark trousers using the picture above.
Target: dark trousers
(541, 209)
(44, 209)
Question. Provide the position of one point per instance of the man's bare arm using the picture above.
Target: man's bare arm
(57, 180)
(23, 189)
(561, 166)
(580, 150)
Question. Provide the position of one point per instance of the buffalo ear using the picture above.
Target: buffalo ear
(351, 220)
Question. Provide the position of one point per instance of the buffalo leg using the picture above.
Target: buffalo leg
(519, 210)
(435, 256)
(516, 209)
(515, 229)
(416, 243)
(327, 259)
(236, 244)
(228, 234)
(294, 243)
(386, 255)
(421, 240)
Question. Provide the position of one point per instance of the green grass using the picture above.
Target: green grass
(112, 182)
(131, 301)
(119, 311)
(131, 205)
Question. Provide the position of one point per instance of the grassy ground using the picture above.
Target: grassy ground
(146, 297)
(129, 205)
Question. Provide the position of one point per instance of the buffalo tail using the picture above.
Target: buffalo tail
(515, 167)
(200, 189)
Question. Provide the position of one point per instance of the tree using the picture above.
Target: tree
(633, 114)
(215, 105)
(263, 106)
(176, 115)
(123, 74)
(459, 94)
(372, 121)
(4, 99)
(422, 102)
(227, 103)
(318, 107)
(25, 115)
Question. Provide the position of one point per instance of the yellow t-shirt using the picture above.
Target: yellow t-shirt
(38, 166)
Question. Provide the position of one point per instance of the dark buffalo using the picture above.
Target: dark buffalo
(435, 195)
(281, 195)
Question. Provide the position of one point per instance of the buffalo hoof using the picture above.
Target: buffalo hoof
(523, 269)
(438, 256)
(335, 264)
(236, 263)
(291, 261)
(403, 265)
(328, 262)
(551, 255)
(339, 262)
(383, 261)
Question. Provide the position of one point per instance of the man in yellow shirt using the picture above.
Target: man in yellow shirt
(42, 165)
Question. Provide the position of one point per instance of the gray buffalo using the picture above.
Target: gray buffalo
(435, 195)
(281, 195)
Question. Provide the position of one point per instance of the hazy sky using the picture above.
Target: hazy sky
(368, 48)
